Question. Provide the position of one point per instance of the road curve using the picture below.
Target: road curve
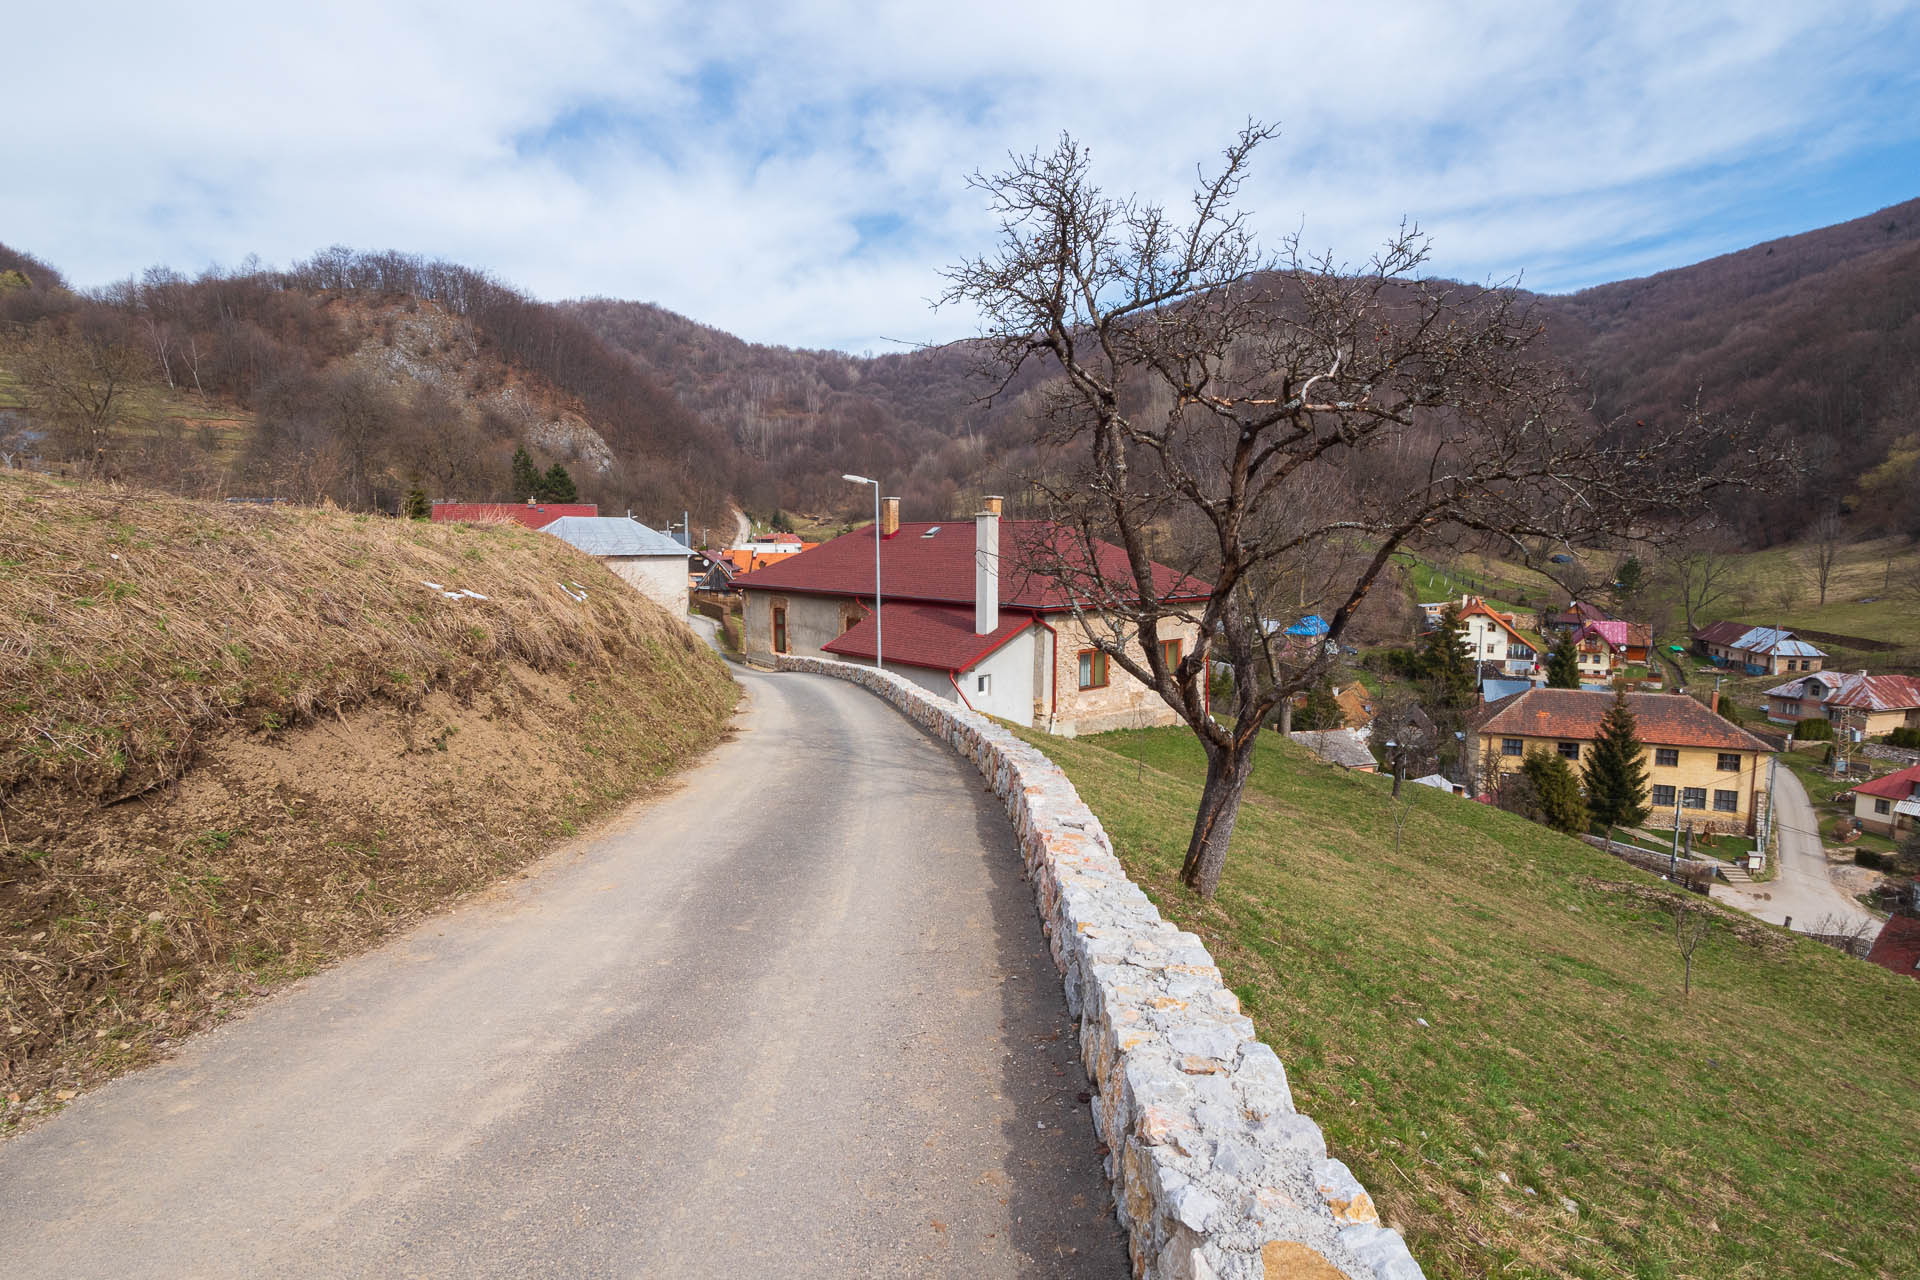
(1802, 892)
(796, 1018)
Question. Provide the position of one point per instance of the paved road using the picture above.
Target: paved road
(1803, 891)
(795, 1019)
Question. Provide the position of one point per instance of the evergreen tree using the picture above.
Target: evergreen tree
(1320, 710)
(557, 486)
(527, 481)
(1616, 769)
(1557, 792)
(1443, 662)
(1563, 663)
(417, 506)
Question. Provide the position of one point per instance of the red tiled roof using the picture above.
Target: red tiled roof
(1661, 719)
(1721, 633)
(532, 515)
(1895, 786)
(1480, 608)
(1898, 946)
(931, 561)
(926, 635)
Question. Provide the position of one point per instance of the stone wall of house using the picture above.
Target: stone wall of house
(1124, 703)
(812, 620)
(1215, 1175)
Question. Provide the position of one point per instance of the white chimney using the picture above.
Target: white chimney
(986, 572)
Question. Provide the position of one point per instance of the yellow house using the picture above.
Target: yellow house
(1713, 771)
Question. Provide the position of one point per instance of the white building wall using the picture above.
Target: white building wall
(1009, 672)
(661, 579)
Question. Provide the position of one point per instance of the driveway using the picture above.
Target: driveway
(796, 1019)
(1802, 892)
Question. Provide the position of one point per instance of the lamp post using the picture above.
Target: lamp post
(879, 630)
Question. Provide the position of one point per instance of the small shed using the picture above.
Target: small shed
(651, 562)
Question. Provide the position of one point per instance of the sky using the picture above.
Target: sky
(795, 173)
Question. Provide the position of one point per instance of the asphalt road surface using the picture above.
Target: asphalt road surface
(1803, 891)
(794, 1019)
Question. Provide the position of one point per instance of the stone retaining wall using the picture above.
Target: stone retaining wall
(1214, 1173)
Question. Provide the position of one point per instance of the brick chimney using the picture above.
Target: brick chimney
(889, 517)
(992, 503)
(1713, 704)
(986, 571)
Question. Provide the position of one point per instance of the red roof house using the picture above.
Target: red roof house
(534, 515)
(1890, 805)
(1898, 946)
(978, 610)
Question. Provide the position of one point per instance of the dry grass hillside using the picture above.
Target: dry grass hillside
(237, 743)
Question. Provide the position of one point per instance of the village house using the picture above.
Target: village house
(534, 515)
(1490, 636)
(1343, 748)
(1711, 770)
(1576, 615)
(646, 559)
(965, 617)
(1889, 806)
(1607, 645)
(1759, 651)
(1863, 706)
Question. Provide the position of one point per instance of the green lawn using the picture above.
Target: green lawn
(1761, 1127)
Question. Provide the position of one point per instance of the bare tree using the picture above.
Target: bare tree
(1827, 534)
(77, 378)
(1704, 576)
(1317, 418)
(1689, 931)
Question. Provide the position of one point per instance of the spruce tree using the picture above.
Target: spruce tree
(417, 506)
(527, 480)
(1444, 664)
(1563, 663)
(1616, 769)
(1557, 792)
(558, 486)
(1320, 710)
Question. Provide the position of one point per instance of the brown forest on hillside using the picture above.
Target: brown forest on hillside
(1814, 338)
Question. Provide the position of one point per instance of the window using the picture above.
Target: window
(1694, 797)
(1667, 758)
(1170, 651)
(1663, 797)
(1570, 750)
(1729, 762)
(1883, 806)
(1512, 747)
(779, 628)
(983, 684)
(1093, 669)
(1726, 801)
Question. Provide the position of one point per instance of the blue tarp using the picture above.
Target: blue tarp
(1311, 625)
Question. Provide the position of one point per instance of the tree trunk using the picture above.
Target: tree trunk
(1227, 771)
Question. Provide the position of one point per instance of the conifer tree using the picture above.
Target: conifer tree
(527, 480)
(1616, 769)
(1320, 710)
(1444, 663)
(558, 486)
(1563, 663)
(417, 505)
(1557, 792)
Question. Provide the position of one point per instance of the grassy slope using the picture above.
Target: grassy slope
(1761, 1127)
(238, 743)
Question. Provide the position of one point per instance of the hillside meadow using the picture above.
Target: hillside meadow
(1489, 1021)
(239, 742)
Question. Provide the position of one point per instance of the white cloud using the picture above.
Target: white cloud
(721, 160)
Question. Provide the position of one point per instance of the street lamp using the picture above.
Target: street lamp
(879, 632)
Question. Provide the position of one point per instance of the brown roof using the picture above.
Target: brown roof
(1722, 633)
(1662, 719)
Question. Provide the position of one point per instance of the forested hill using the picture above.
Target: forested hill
(348, 378)
(353, 376)
(1816, 336)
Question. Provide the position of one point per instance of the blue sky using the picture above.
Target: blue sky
(796, 173)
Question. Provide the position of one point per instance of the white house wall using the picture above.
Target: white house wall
(661, 579)
(1009, 672)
